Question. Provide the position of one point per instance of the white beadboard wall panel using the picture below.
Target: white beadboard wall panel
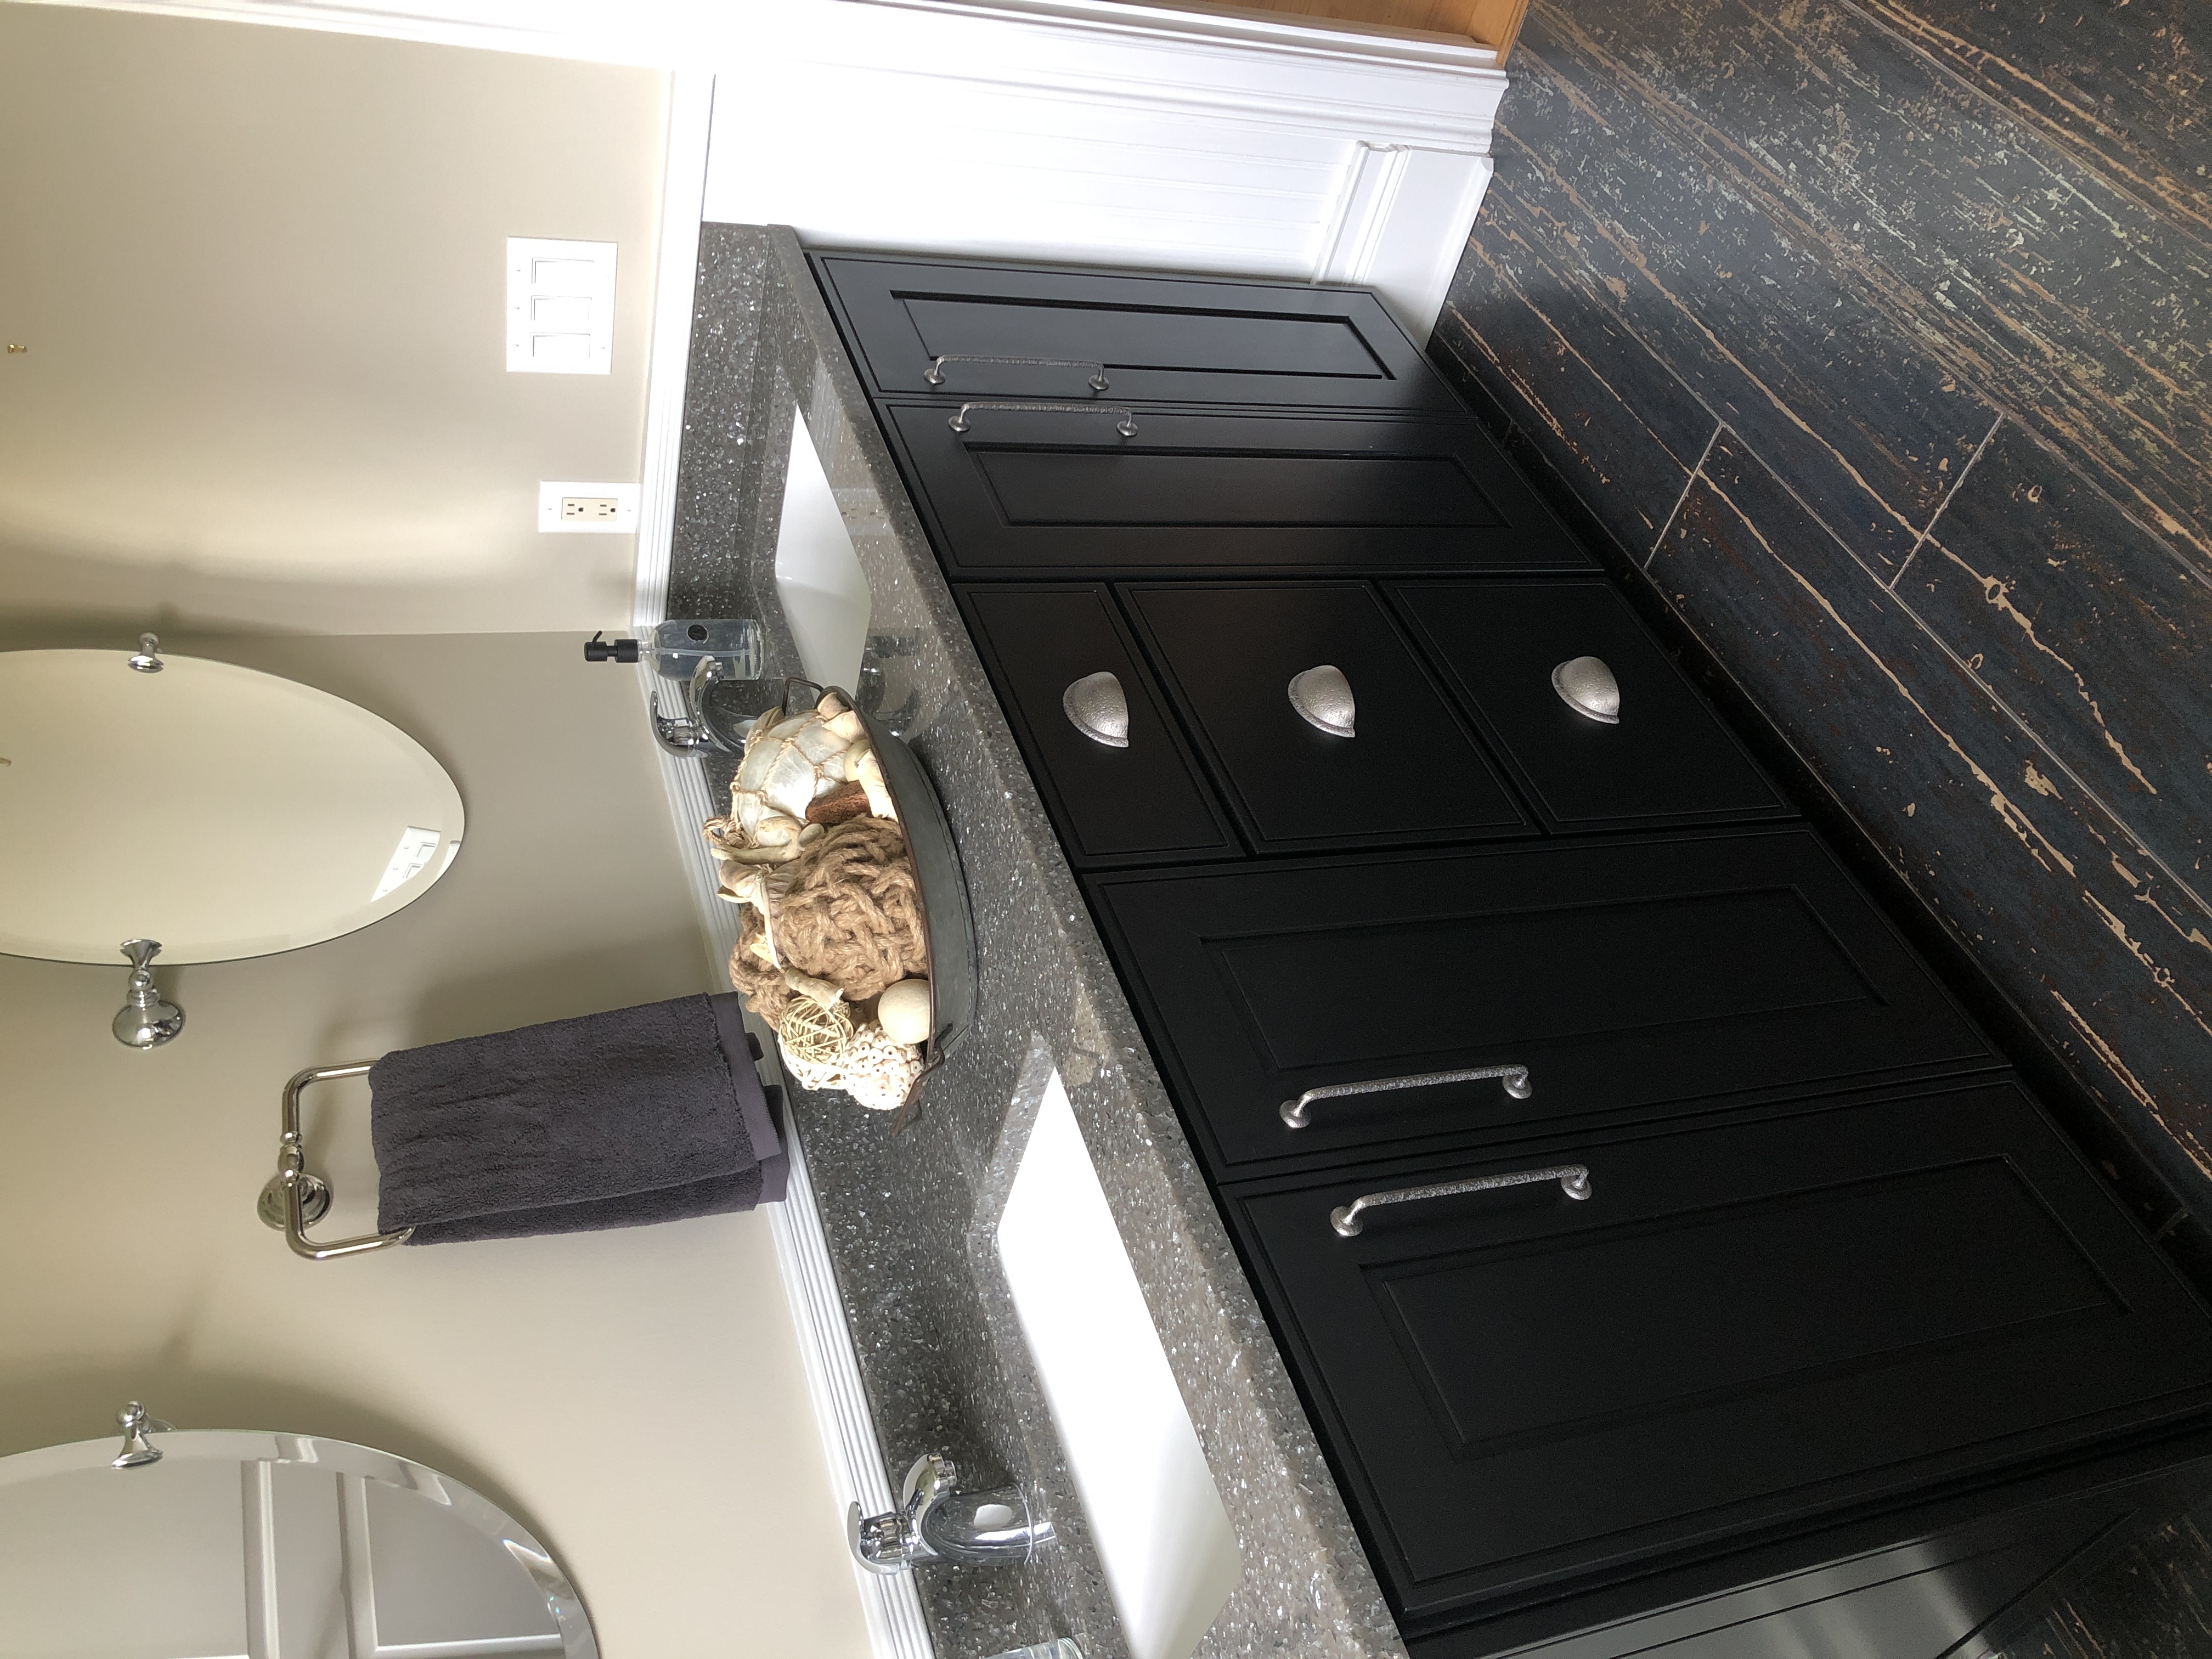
(990, 132)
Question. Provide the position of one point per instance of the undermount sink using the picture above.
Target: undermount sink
(1163, 1540)
(819, 579)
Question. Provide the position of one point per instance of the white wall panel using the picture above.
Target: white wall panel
(1109, 136)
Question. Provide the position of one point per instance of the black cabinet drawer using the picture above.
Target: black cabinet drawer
(1669, 758)
(1633, 978)
(1738, 1325)
(1111, 806)
(1037, 493)
(1152, 339)
(1410, 772)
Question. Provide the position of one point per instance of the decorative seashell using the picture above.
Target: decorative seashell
(903, 1010)
(1323, 698)
(1586, 685)
(880, 794)
(1096, 707)
(777, 841)
(815, 990)
(854, 755)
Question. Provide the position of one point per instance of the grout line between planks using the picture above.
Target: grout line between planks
(1957, 485)
(2057, 762)
(1688, 483)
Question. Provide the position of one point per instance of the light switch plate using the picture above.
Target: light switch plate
(579, 509)
(560, 306)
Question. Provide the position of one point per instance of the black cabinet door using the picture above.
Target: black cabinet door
(1738, 1326)
(1632, 978)
(1143, 802)
(1151, 338)
(1027, 493)
(1408, 773)
(1669, 758)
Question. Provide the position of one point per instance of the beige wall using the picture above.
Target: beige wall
(261, 275)
(634, 1397)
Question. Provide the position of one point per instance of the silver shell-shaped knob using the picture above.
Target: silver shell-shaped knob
(1586, 685)
(1323, 698)
(1095, 707)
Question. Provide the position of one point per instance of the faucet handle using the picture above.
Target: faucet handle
(934, 1522)
(881, 1543)
(933, 1475)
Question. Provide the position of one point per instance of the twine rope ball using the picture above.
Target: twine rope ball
(852, 914)
(814, 1033)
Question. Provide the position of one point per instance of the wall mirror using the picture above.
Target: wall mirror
(215, 811)
(189, 1544)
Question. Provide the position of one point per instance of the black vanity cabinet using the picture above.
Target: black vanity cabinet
(1019, 490)
(1741, 1322)
(942, 326)
(1666, 1260)
(1636, 979)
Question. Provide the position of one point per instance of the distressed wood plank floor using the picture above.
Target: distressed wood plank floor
(1879, 333)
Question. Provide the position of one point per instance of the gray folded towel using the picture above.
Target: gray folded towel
(615, 1120)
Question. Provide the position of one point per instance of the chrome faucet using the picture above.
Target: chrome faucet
(934, 1523)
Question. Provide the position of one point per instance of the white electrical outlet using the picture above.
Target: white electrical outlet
(585, 510)
(560, 306)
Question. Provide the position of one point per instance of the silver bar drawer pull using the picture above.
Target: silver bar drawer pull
(935, 375)
(1516, 1084)
(1127, 426)
(1574, 1181)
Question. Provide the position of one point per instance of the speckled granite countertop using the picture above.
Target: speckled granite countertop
(910, 1221)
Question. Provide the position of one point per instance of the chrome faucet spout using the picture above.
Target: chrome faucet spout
(934, 1523)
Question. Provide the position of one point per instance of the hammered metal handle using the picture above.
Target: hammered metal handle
(1127, 426)
(1296, 1114)
(1573, 1179)
(935, 374)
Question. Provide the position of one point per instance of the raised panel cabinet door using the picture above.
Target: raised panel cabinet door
(1143, 800)
(1636, 979)
(1028, 494)
(944, 329)
(1408, 771)
(1666, 757)
(1737, 1326)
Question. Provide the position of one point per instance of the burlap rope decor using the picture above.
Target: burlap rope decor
(759, 981)
(849, 914)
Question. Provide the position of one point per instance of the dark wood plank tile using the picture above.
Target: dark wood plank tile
(2152, 1601)
(2121, 82)
(2089, 629)
(2021, 871)
(2021, 272)
(1747, 305)
(1539, 337)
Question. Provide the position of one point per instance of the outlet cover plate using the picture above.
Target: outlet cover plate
(550, 518)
